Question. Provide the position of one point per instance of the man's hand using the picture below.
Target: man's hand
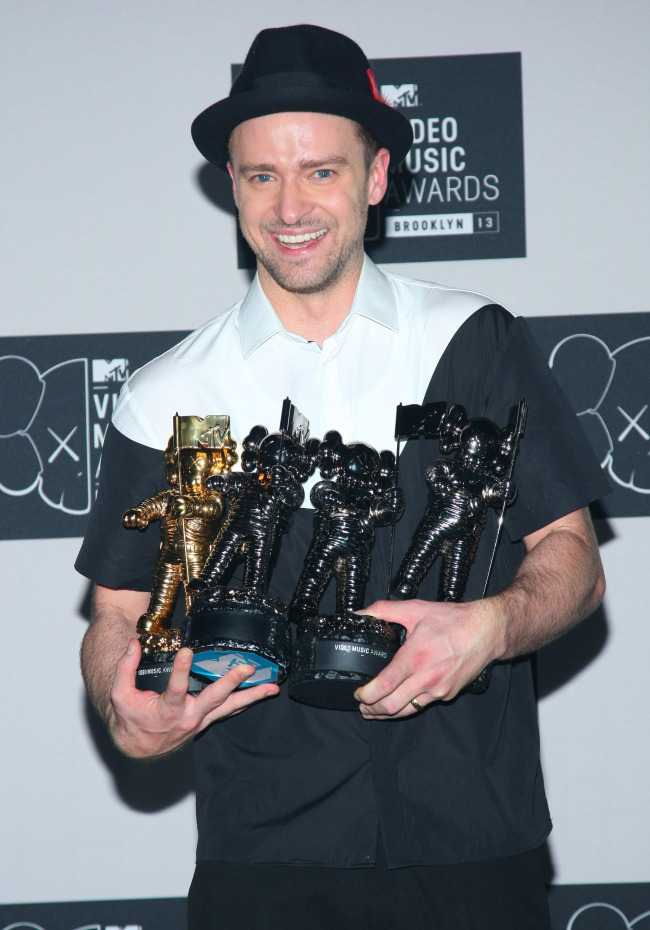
(148, 725)
(447, 646)
(145, 724)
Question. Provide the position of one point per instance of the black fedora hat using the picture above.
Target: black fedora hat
(305, 69)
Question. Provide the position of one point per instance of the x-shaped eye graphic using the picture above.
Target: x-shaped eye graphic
(63, 444)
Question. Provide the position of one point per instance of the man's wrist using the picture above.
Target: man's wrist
(493, 614)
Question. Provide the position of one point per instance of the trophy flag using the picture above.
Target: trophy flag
(518, 421)
(412, 420)
(293, 423)
(177, 450)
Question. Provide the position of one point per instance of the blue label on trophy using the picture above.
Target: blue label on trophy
(214, 664)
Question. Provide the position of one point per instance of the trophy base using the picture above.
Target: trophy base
(482, 683)
(335, 654)
(154, 671)
(239, 626)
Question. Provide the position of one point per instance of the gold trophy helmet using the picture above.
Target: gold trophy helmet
(197, 449)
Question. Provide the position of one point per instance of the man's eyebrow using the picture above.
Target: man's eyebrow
(260, 169)
(337, 161)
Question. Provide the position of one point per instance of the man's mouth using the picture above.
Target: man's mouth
(299, 240)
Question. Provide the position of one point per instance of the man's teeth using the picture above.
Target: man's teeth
(285, 239)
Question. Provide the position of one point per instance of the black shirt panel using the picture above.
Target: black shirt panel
(112, 555)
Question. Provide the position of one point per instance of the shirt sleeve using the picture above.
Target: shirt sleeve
(112, 555)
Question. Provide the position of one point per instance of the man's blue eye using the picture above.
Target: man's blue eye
(263, 178)
(324, 173)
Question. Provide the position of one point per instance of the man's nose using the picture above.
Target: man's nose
(293, 202)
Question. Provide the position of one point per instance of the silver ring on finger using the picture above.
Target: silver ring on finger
(415, 704)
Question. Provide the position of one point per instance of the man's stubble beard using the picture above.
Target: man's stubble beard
(325, 276)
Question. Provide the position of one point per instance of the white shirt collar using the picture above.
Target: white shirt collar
(373, 299)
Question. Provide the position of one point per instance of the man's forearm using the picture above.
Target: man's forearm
(111, 627)
(559, 583)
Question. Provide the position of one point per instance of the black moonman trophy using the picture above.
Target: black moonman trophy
(190, 516)
(460, 491)
(244, 625)
(335, 653)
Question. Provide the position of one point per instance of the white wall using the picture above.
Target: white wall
(105, 228)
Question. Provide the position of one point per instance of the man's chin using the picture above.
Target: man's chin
(303, 280)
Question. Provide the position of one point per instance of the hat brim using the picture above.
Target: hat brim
(212, 128)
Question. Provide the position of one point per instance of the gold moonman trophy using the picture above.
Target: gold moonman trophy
(190, 516)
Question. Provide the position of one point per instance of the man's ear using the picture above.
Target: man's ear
(378, 176)
(231, 172)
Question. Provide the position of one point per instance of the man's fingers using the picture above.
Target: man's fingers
(221, 688)
(409, 709)
(225, 689)
(407, 613)
(179, 680)
(392, 611)
(400, 703)
(212, 699)
(208, 704)
(388, 681)
(127, 666)
(238, 701)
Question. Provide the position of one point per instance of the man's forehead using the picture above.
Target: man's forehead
(266, 127)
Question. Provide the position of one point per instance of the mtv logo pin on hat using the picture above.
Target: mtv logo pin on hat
(306, 69)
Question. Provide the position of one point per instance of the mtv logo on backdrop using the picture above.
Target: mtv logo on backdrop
(400, 95)
(110, 370)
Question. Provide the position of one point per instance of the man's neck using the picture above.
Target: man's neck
(315, 317)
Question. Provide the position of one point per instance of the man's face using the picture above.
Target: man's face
(302, 189)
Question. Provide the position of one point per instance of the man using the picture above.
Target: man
(317, 818)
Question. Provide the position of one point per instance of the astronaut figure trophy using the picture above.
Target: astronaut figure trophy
(460, 491)
(230, 625)
(190, 516)
(336, 652)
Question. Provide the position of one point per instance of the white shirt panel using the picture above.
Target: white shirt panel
(244, 363)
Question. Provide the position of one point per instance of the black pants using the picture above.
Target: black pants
(500, 894)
